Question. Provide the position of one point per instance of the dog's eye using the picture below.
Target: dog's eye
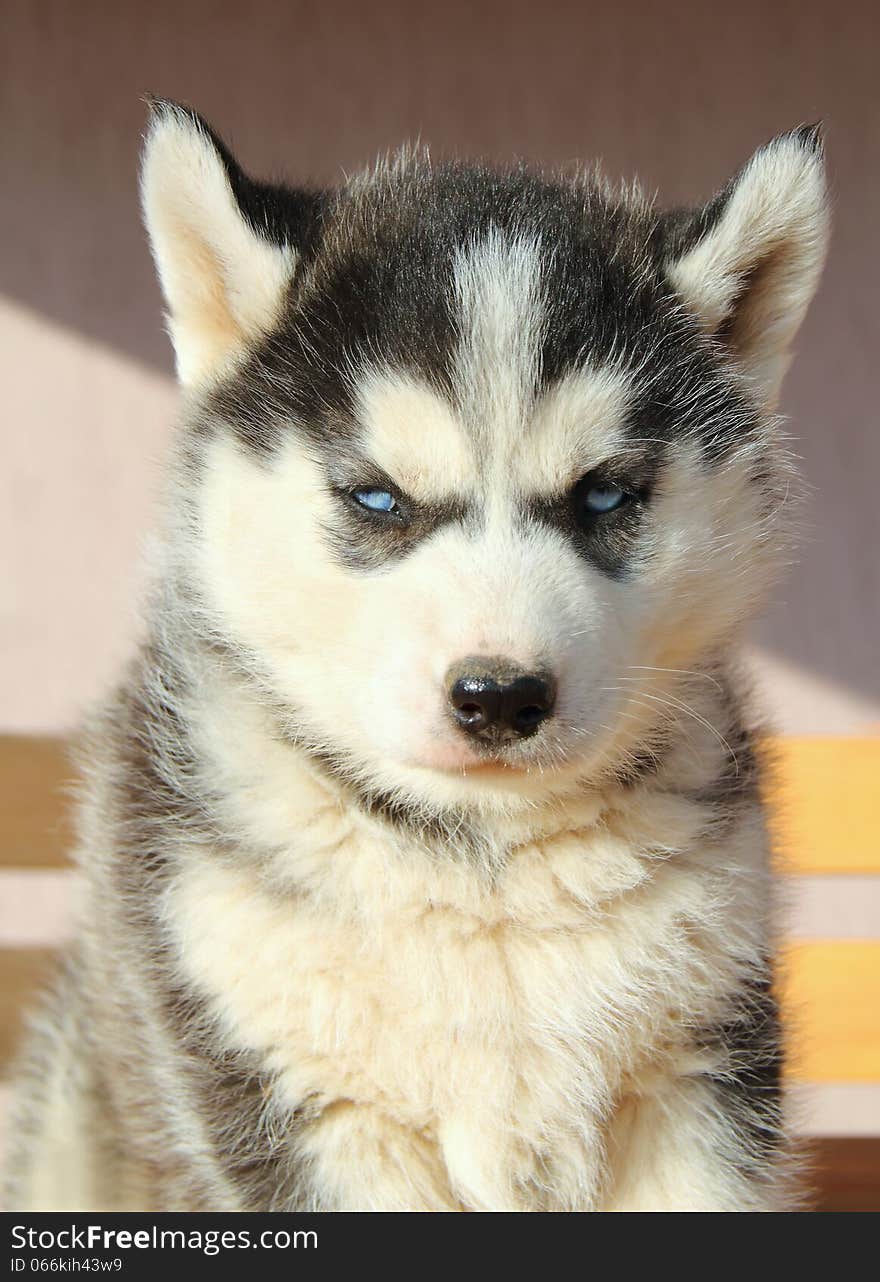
(381, 501)
(604, 498)
(593, 496)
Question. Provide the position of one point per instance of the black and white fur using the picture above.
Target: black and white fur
(333, 953)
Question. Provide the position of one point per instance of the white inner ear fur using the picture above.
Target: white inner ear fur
(222, 281)
(756, 269)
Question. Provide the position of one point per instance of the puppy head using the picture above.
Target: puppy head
(477, 454)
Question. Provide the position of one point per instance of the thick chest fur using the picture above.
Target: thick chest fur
(454, 1039)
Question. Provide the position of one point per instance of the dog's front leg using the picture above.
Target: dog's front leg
(692, 1145)
(361, 1159)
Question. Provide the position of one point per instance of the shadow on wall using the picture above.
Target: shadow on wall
(679, 96)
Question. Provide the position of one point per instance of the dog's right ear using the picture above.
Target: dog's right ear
(748, 263)
(222, 243)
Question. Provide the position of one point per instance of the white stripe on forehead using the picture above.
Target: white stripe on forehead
(545, 444)
(501, 317)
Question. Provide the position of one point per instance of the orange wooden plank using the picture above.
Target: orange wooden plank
(830, 994)
(825, 798)
(826, 803)
(34, 807)
(23, 972)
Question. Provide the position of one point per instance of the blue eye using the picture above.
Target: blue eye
(376, 500)
(595, 497)
(604, 498)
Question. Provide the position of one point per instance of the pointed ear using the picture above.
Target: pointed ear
(220, 243)
(748, 264)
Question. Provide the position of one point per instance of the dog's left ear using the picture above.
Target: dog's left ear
(748, 264)
(225, 246)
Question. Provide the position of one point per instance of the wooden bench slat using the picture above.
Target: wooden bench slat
(830, 990)
(846, 1174)
(826, 803)
(34, 807)
(23, 973)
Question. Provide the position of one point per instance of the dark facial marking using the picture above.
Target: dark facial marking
(376, 283)
(369, 540)
(608, 540)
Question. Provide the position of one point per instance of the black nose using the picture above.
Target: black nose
(496, 701)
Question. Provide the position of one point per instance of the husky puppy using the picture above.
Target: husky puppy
(425, 861)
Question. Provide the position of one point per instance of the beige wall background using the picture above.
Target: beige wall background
(680, 94)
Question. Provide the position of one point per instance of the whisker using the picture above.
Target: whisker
(673, 704)
(683, 672)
